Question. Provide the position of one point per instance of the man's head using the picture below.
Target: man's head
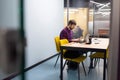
(72, 24)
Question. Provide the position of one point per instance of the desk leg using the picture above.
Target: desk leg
(104, 69)
(91, 62)
(61, 66)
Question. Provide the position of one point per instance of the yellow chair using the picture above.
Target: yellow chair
(78, 60)
(57, 42)
(97, 56)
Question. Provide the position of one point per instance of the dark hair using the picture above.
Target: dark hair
(72, 22)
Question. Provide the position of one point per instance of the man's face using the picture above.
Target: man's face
(72, 26)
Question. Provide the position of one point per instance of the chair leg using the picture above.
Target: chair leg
(78, 72)
(84, 68)
(56, 60)
(91, 65)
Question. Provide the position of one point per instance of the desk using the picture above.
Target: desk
(97, 45)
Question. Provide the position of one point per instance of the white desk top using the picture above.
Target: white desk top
(97, 43)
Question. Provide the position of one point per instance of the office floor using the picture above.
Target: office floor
(46, 71)
(2, 74)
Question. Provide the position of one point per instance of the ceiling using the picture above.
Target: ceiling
(77, 3)
(99, 5)
(101, 1)
(84, 3)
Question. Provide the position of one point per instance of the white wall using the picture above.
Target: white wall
(43, 21)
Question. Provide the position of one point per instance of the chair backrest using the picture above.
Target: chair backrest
(57, 42)
(63, 41)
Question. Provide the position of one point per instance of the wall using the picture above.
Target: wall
(113, 68)
(43, 21)
(77, 3)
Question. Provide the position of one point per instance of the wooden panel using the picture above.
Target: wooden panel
(80, 16)
(103, 32)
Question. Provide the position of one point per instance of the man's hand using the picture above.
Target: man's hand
(76, 40)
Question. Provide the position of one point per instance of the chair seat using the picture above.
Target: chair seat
(98, 55)
(78, 59)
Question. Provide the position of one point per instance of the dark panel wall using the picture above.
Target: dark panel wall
(77, 3)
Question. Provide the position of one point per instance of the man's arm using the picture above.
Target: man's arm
(75, 40)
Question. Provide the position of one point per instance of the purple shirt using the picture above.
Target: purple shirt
(66, 34)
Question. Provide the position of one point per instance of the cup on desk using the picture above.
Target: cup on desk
(89, 41)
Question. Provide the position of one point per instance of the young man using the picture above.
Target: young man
(67, 33)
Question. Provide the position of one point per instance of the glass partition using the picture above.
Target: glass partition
(92, 16)
(99, 18)
(11, 37)
(77, 10)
